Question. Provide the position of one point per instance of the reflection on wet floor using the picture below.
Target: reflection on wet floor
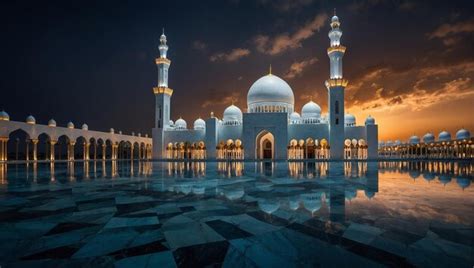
(126, 213)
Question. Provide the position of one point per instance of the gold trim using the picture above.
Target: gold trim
(163, 90)
(336, 83)
(336, 48)
(162, 61)
(335, 24)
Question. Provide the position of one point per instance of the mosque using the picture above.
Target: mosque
(269, 127)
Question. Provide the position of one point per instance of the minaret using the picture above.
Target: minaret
(162, 99)
(336, 85)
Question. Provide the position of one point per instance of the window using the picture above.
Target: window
(337, 121)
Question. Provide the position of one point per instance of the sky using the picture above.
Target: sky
(410, 64)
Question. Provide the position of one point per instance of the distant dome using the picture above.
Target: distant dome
(463, 182)
(30, 120)
(70, 125)
(369, 120)
(232, 115)
(295, 118)
(444, 136)
(349, 120)
(414, 139)
(463, 134)
(112, 130)
(270, 91)
(51, 123)
(311, 110)
(4, 116)
(199, 124)
(428, 138)
(398, 142)
(180, 124)
(85, 127)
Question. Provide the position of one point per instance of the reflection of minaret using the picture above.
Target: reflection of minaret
(162, 99)
(337, 201)
(336, 85)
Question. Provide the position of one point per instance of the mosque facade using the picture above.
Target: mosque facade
(270, 128)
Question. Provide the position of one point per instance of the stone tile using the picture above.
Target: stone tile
(105, 243)
(119, 222)
(191, 234)
(162, 259)
(362, 233)
(227, 230)
(204, 255)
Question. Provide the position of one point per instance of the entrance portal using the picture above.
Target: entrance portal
(265, 145)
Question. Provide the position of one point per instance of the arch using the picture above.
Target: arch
(43, 146)
(62, 147)
(265, 148)
(18, 147)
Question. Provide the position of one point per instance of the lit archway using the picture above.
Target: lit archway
(265, 148)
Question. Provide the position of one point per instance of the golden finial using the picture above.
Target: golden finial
(270, 70)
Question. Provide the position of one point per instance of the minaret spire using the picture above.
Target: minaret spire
(270, 70)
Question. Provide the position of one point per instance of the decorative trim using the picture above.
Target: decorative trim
(162, 61)
(339, 48)
(336, 83)
(163, 90)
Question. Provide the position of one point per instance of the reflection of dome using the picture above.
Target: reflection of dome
(414, 140)
(70, 125)
(180, 124)
(232, 115)
(295, 118)
(51, 123)
(349, 120)
(444, 179)
(199, 190)
(294, 202)
(311, 110)
(444, 136)
(428, 138)
(369, 194)
(199, 124)
(463, 182)
(311, 202)
(414, 174)
(463, 134)
(428, 176)
(234, 194)
(4, 116)
(85, 127)
(369, 120)
(30, 120)
(350, 194)
(272, 92)
(268, 206)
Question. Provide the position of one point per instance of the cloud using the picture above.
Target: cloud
(297, 68)
(199, 45)
(415, 88)
(447, 29)
(234, 55)
(220, 98)
(283, 42)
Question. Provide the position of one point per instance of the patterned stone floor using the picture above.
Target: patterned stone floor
(168, 217)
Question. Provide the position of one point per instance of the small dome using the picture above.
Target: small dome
(70, 125)
(444, 136)
(51, 123)
(139, 134)
(428, 138)
(112, 130)
(120, 132)
(232, 114)
(334, 18)
(199, 124)
(463, 134)
(349, 120)
(295, 117)
(85, 127)
(311, 110)
(398, 142)
(171, 123)
(414, 139)
(369, 120)
(4, 116)
(30, 120)
(270, 90)
(180, 124)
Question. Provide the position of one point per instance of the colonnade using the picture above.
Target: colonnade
(230, 150)
(186, 150)
(309, 149)
(459, 149)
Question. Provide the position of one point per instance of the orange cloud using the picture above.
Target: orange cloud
(234, 55)
(297, 68)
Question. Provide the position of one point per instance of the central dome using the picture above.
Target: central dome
(270, 93)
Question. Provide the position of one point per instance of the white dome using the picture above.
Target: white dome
(369, 120)
(112, 130)
(349, 120)
(270, 90)
(414, 140)
(429, 137)
(51, 123)
(30, 120)
(311, 110)
(171, 123)
(334, 18)
(4, 116)
(295, 117)
(232, 114)
(180, 124)
(85, 127)
(70, 125)
(463, 134)
(444, 136)
(199, 124)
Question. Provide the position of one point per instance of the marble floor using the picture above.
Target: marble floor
(167, 215)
